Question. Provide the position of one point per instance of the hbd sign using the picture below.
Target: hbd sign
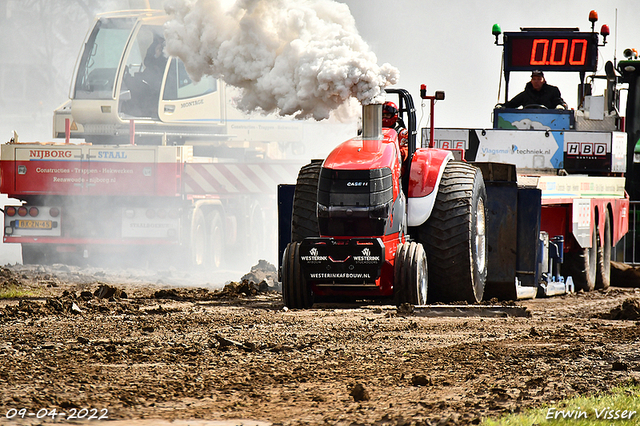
(587, 149)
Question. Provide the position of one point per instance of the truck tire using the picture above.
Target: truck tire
(198, 241)
(44, 254)
(454, 236)
(582, 265)
(257, 238)
(33, 255)
(410, 274)
(215, 248)
(296, 293)
(304, 218)
(603, 274)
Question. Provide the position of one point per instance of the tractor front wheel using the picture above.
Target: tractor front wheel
(410, 274)
(296, 292)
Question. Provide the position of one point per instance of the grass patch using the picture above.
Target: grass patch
(13, 292)
(600, 409)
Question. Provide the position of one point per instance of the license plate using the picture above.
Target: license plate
(34, 224)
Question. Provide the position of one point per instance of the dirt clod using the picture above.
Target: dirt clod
(629, 310)
(359, 393)
(106, 291)
(420, 380)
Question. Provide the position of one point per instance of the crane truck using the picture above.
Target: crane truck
(162, 165)
(531, 207)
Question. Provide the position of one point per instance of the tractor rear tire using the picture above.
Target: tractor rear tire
(582, 265)
(410, 274)
(304, 218)
(296, 293)
(454, 236)
(603, 275)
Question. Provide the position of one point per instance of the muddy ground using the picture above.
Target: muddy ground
(146, 349)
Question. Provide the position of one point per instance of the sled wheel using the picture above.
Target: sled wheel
(454, 236)
(304, 219)
(296, 293)
(198, 238)
(581, 265)
(603, 274)
(411, 276)
(215, 250)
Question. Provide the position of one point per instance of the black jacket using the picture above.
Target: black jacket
(548, 96)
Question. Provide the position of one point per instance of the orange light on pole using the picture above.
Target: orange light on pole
(593, 17)
(604, 32)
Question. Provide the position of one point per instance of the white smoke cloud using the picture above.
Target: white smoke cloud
(293, 57)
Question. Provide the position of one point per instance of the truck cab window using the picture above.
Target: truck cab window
(143, 73)
(100, 58)
(180, 86)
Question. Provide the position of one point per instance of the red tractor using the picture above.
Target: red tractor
(367, 223)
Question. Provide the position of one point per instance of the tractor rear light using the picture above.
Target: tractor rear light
(54, 212)
(151, 213)
(10, 211)
(22, 211)
(33, 211)
(162, 213)
(174, 213)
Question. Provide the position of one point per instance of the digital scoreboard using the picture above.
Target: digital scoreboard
(550, 51)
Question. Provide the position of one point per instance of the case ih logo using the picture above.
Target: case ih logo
(587, 149)
(44, 153)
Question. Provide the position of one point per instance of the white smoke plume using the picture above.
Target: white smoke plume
(293, 57)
